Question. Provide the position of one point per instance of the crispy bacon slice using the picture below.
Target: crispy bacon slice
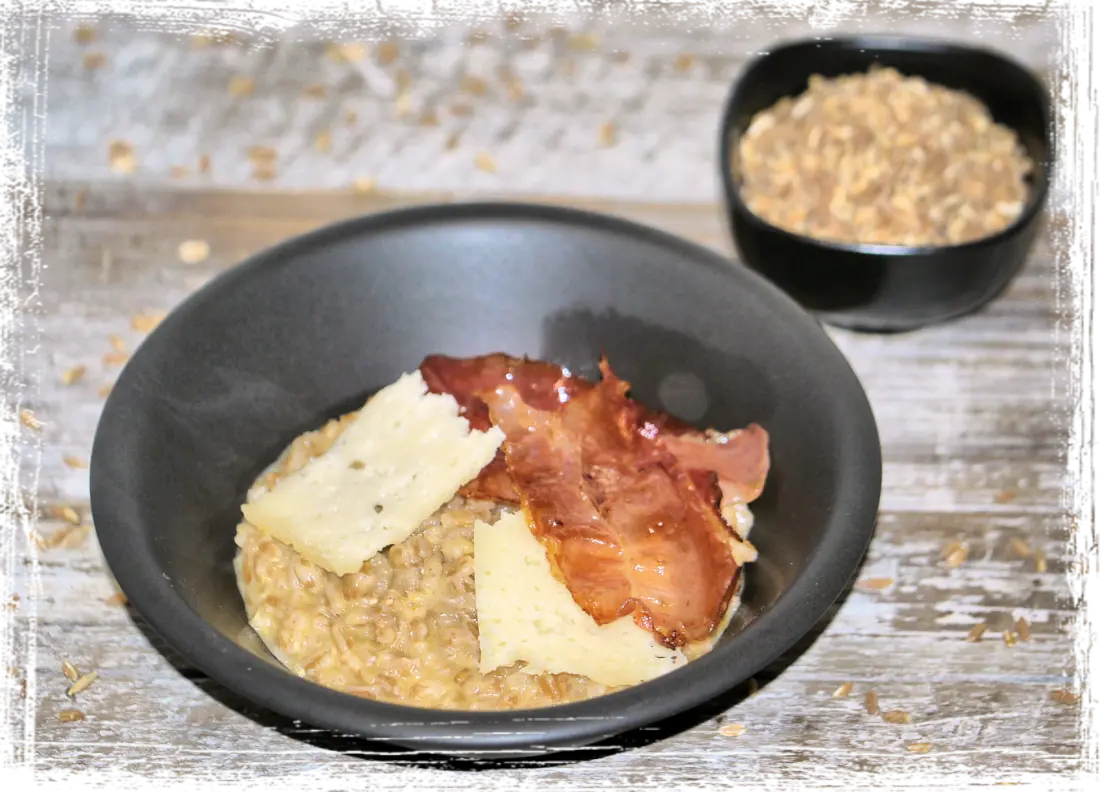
(625, 525)
(739, 459)
(543, 385)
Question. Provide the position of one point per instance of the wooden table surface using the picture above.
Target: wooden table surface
(974, 417)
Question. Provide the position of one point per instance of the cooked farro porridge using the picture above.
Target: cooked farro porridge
(402, 627)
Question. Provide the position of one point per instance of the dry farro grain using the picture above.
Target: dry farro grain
(82, 684)
(73, 375)
(976, 632)
(1064, 697)
(29, 419)
(1023, 629)
(883, 158)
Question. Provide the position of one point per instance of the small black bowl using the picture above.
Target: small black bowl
(310, 328)
(880, 287)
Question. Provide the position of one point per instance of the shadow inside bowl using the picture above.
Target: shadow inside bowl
(378, 750)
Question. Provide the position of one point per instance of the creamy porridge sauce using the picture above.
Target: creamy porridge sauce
(404, 628)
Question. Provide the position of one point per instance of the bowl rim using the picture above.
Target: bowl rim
(828, 571)
(884, 43)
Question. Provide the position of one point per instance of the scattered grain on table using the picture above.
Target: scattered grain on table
(241, 85)
(875, 584)
(315, 91)
(66, 513)
(897, 717)
(956, 557)
(345, 52)
(683, 62)
(120, 157)
(1020, 547)
(82, 684)
(870, 702)
(194, 251)
(976, 632)
(608, 134)
(74, 462)
(94, 60)
(146, 322)
(29, 419)
(483, 161)
(732, 730)
(1040, 562)
(73, 375)
(584, 42)
(1023, 629)
(919, 747)
(843, 691)
(70, 716)
(84, 34)
(116, 599)
(323, 142)
(115, 358)
(474, 85)
(71, 672)
(388, 52)
(1009, 638)
(1063, 696)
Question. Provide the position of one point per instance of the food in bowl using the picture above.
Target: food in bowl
(883, 158)
(497, 533)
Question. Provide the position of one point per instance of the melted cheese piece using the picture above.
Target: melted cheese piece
(525, 614)
(405, 455)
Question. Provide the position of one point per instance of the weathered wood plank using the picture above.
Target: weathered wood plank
(160, 729)
(973, 419)
(658, 72)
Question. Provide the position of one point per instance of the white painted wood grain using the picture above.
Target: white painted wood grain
(658, 79)
(973, 419)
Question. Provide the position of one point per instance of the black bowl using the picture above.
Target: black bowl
(313, 326)
(880, 287)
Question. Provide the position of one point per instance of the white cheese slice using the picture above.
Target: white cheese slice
(406, 454)
(525, 614)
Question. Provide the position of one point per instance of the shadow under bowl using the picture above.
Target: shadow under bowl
(888, 288)
(308, 329)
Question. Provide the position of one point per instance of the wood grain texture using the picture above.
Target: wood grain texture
(535, 97)
(973, 417)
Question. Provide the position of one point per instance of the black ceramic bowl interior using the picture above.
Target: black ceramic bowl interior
(309, 329)
(879, 287)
